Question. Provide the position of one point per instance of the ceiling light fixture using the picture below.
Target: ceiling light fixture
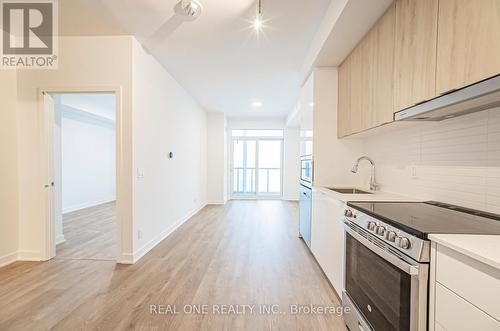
(257, 104)
(191, 8)
(257, 24)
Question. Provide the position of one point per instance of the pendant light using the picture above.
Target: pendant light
(257, 24)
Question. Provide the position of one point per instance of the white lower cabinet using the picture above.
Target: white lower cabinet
(455, 314)
(464, 293)
(327, 237)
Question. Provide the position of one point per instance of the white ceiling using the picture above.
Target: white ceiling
(218, 58)
(344, 24)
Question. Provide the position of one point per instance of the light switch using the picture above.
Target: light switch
(140, 172)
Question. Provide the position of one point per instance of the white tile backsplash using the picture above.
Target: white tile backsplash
(456, 161)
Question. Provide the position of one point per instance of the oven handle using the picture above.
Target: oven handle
(391, 258)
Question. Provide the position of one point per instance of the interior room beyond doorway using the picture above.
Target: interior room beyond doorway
(85, 175)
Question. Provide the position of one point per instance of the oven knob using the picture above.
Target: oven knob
(372, 226)
(348, 213)
(391, 236)
(404, 243)
(380, 230)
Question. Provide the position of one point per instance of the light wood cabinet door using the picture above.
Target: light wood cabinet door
(358, 92)
(344, 99)
(415, 52)
(468, 42)
(366, 80)
(379, 63)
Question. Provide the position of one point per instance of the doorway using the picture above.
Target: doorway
(257, 161)
(82, 171)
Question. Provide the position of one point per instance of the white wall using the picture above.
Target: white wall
(216, 158)
(166, 119)
(84, 62)
(455, 161)
(333, 158)
(88, 159)
(8, 167)
(291, 164)
(255, 123)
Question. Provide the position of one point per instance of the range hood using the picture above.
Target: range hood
(473, 98)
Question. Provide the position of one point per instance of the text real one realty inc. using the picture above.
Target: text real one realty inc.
(242, 309)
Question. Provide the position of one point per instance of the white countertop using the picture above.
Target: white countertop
(376, 196)
(484, 248)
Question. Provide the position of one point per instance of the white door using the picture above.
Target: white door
(244, 167)
(47, 175)
(269, 167)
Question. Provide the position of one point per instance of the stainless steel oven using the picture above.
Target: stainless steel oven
(386, 276)
(306, 170)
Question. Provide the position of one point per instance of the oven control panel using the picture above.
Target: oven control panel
(410, 245)
(390, 235)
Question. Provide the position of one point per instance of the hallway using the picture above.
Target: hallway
(244, 253)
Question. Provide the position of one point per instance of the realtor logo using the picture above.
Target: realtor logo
(29, 34)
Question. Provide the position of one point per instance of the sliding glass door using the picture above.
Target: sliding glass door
(244, 167)
(269, 167)
(256, 164)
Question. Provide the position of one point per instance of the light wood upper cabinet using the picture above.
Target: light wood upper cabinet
(366, 80)
(344, 100)
(468, 42)
(379, 57)
(415, 52)
(358, 104)
(418, 50)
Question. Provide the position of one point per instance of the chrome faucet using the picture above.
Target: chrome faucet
(373, 184)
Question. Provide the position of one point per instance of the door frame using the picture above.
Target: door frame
(46, 127)
(255, 196)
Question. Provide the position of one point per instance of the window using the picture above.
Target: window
(257, 162)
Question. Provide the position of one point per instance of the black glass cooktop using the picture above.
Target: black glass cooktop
(423, 218)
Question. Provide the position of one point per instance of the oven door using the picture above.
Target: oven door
(306, 170)
(386, 289)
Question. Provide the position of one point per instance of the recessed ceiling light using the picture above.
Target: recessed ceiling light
(257, 104)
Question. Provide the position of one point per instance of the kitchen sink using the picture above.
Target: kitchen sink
(348, 190)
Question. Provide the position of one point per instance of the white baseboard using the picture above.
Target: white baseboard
(8, 259)
(138, 254)
(126, 259)
(87, 205)
(60, 239)
(28, 256)
(216, 202)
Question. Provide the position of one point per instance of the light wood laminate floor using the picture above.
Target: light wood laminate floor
(90, 234)
(246, 252)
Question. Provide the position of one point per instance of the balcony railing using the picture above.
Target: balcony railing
(244, 181)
